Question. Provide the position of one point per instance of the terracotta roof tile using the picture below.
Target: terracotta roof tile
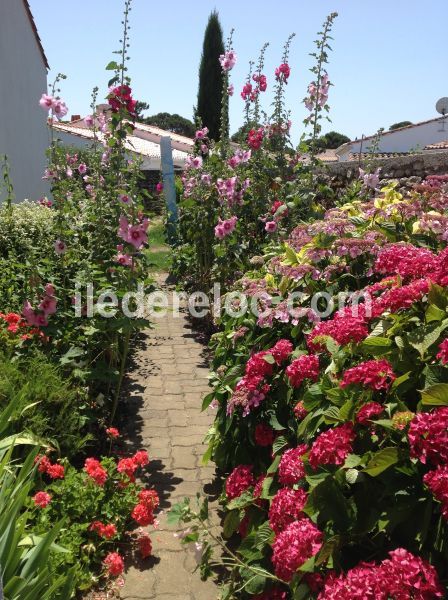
(438, 146)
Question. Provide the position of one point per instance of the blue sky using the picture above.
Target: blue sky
(388, 62)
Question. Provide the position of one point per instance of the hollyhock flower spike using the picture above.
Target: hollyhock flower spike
(270, 226)
(228, 60)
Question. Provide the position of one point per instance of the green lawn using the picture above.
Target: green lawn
(159, 252)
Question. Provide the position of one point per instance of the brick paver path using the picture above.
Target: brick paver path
(165, 392)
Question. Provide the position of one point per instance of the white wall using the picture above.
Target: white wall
(403, 140)
(23, 79)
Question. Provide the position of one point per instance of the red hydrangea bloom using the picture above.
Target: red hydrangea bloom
(291, 468)
(274, 593)
(104, 531)
(257, 366)
(407, 576)
(259, 488)
(42, 499)
(343, 330)
(128, 466)
(264, 435)
(406, 260)
(55, 471)
(114, 564)
(286, 507)
(142, 514)
(368, 412)
(300, 411)
(141, 458)
(144, 545)
(437, 482)
(363, 582)
(443, 352)
(150, 498)
(43, 463)
(332, 447)
(304, 367)
(243, 528)
(428, 436)
(400, 297)
(294, 546)
(239, 480)
(375, 374)
(281, 351)
(112, 432)
(95, 471)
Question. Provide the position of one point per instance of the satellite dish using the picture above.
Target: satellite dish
(442, 106)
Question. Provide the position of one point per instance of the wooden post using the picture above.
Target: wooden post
(169, 189)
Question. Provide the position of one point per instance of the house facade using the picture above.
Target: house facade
(412, 138)
(23, 72)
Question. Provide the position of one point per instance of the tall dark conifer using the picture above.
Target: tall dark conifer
(210, 77)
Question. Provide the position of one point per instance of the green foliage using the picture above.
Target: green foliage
(400, 124)
(210, 91)
(172, 122)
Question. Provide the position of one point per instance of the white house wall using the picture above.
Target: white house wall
(403, 140)
(23, 79)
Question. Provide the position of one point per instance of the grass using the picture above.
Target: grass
(159, 252)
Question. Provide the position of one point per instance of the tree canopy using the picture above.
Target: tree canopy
(172, 122)
(208, 108)
(400, 124)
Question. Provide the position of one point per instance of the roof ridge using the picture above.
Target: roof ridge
(36, 33)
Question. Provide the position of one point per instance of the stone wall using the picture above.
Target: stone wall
(408, 169)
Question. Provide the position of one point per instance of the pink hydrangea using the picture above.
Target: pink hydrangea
(286, 507)
(332, 447)
(443, 352)
(400, 297)
(374, 374)
(264, 435)
(294, 546)
(363, 582)
(281, 351)
(407, 576)
(274, 593)
(257, 365)
(437, 482)
(368, 412)
(428, 436)
(239, 480)
(406, 260)
(291, 468)
(343, 330)
(304, 367)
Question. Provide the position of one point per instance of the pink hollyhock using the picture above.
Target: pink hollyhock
(201, 133)
(374, 374)
(283, 72)
(133, 234)
(60, 247)
(281, 351)
(95, 471)
(59, 109)
(261, 80)
(89, 120)
(286, 507)
(46, 102)
(255, 138)
(368, 412)
(264, 435)
(270, 226)
(124, 198)
(193, 162)
(437, 482)
(304, 367)
(300, 411)
(42, 499)
(247, 91)
(143, 514)
(230, 90)
(112, 432)
(332, 447)
(159, 187)
(428, 436)
(144, 545)
(443, 352)
(228, 60)
(239, 480)
(294, 546)
(82, 169)
(114, 564)
(291, 468)
(48, 305)
(125, 260)
(105, 531)
(226, 227)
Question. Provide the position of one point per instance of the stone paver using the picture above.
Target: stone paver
(167, 383)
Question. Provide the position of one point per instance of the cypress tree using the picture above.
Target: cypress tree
(211, 78)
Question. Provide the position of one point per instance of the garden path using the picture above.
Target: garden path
(164, 395)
